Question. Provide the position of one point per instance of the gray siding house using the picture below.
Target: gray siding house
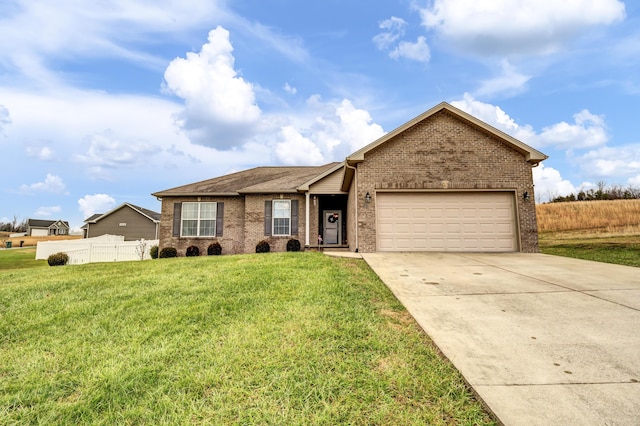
(128, 220)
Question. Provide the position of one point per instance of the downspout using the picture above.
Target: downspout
(355, 182)
(306, 221)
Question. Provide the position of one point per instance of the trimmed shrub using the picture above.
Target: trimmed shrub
(263, 247)
(168, 252)
(293, 245)
(153, 251)
(58, 259)
(192, 251)
(214, 249)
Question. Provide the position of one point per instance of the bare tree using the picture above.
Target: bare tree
(141, 248)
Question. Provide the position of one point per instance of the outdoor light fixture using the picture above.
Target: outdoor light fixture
(525, 196)
(367, 198)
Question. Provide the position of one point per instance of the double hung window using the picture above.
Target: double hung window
(282, 217)
(198, 219)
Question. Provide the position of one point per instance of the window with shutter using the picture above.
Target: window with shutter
(198, 219)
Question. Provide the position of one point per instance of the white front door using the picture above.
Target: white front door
(332, 226)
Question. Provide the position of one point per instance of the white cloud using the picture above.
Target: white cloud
(418, 51)
(5, 119)
(508, 27)
(220, 106)
(41, 153)
(106, 150)
(390, 39)
(51, 184)
(549, 184)
(48, 211)
(495, 116)
(394, 29)
(32, 31)
(613, 161)
(295, 149)
(357, 126)
(290, 89)
(332, 132)
(65, 116)
(96, 203)
(588, 131)
(510, 81)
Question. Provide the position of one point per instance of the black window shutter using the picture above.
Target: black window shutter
(177, 218)
(294, 217)
(219, 219)
(267, 218)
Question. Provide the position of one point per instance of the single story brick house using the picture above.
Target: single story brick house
(131, 221)
(444, 181)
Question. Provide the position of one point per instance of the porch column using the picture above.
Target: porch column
(306, 221)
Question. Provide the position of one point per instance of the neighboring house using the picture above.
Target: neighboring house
(444, 181)
(132, 222)
(45, 228)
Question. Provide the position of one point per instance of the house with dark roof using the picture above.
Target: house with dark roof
(131, 221)
(45, 228)
(443, 181)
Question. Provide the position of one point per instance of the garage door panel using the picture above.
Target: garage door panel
(465, 221)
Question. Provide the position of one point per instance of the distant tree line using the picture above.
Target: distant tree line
(601, 192)
(14, 225)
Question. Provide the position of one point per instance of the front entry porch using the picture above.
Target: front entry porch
(328, 222)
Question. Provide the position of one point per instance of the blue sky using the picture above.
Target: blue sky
(105, 102)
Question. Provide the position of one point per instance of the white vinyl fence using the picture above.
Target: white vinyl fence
(106, 248)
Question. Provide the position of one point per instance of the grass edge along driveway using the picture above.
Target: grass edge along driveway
(281, 338)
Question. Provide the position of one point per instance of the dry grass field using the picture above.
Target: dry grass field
(590, 218)
(33, 241)
(606, 231)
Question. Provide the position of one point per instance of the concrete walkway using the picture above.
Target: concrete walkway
(543, 340)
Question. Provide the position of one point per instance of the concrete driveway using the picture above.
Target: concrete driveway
(543, 340)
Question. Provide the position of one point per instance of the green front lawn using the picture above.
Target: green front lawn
(621, 250)
(280, 338)
(20, 259)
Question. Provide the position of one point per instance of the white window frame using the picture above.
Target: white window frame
(199, 219)
(274, 218)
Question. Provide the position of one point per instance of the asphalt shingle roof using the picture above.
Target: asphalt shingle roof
(257, 180)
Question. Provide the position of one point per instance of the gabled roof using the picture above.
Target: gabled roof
(305, 186)
(259, 180)
(44, 223)
(93, 217)
(150, 214)
(532, 155)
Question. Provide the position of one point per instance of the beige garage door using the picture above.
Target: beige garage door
(451, 221)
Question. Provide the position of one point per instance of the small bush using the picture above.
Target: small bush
(168, 252)
(263, 247)
(153, 251)
(192, 251)
(293, 245)
(58, 259)
(214, 249)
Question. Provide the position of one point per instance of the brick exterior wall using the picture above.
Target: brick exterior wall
(254, 222)
(232, 234)
(444, 152)
(243, 224)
